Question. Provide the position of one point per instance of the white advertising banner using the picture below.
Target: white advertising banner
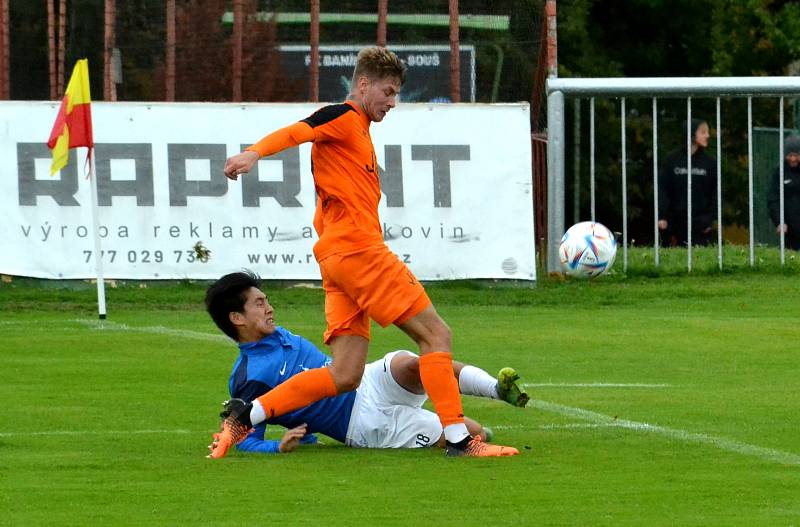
(456, 181)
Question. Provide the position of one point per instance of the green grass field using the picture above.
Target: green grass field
(656, 401)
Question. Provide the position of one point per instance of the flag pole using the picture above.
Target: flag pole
(98, 260)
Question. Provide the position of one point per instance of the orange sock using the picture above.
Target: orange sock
(436, 373)
(301, 390)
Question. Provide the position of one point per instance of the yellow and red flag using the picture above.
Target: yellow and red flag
(73, 126)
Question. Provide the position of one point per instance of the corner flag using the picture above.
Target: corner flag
(73, 126)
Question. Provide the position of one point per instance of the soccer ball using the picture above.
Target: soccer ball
(587, 250)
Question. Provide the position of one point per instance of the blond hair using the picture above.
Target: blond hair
(377, 63)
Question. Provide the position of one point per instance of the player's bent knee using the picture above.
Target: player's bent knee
(347, 385)
(346, 381)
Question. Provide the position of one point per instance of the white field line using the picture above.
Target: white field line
(593, 385)
(102, 325)
(722, 443)
(99, 433)
(107, 325)
(565, 426)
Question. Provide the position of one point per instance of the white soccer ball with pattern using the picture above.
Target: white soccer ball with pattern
(587, 250)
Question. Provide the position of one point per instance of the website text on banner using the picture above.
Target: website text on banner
(456, 188)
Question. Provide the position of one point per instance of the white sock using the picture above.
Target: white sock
(475, 381)
(257, 413)
(456, 432)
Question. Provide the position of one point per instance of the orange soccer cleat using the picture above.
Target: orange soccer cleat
(235, 427)
(475, 447)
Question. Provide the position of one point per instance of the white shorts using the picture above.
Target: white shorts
(386, 415)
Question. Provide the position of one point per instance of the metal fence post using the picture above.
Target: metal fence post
(555, 177)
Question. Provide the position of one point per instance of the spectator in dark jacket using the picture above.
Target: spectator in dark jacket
(672, 199)
(791, 194)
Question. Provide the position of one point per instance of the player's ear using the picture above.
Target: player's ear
(236, 318)
(362, 83)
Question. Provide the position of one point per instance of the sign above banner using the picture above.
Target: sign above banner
(428, 78)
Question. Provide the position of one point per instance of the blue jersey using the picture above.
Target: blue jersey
(264, 364)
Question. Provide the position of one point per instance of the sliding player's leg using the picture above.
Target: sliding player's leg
(472, 380)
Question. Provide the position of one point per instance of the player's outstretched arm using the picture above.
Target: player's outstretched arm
(286, 137)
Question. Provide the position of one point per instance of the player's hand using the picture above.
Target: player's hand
(291, 439)
(240, 164)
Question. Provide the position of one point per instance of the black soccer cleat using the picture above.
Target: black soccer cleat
(237, 409)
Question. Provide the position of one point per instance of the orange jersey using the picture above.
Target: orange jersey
(345, 176)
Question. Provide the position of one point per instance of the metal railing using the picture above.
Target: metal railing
(657, 87)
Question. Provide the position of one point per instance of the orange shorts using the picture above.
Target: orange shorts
(369, 284)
